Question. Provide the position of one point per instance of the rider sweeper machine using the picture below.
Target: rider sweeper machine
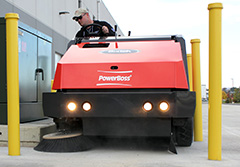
(124, 87)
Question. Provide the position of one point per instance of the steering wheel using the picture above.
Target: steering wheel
(90, 34)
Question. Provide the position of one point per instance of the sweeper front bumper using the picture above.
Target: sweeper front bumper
(122, 112)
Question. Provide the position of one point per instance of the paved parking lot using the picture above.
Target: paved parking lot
(123, 154)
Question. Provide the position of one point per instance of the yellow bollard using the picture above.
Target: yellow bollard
(189, 60)
(52, 90)
(215, 83)
(198, 134)
(13, 84)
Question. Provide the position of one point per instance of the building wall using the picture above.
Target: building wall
(43, 15)
(47, 12)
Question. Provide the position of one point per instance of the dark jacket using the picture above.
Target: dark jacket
(81, 33)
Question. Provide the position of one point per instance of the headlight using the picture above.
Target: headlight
(164, 106)
(71, 106)
(147, 106)
(86, 106)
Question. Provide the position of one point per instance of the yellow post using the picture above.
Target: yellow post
(215, 83)
(12, 84)
(198, 134)
(189, 60)
(52, 90)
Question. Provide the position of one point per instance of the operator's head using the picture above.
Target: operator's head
(82, 17)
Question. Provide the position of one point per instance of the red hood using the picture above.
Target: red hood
(134, 64)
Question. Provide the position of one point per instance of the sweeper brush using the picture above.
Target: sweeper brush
(64, 142)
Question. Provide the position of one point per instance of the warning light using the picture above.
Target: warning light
(147, 106)
(164, 106)
(86, 106)
(71, 106)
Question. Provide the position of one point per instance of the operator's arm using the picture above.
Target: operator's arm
(107, 29)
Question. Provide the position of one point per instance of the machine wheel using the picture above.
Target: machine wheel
(184, 133)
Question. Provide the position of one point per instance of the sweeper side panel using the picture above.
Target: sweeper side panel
(124, 87)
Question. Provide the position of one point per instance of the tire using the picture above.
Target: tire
(184, 133)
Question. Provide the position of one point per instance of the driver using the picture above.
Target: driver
(82, 17)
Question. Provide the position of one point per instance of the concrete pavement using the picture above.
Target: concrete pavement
(123, 155)
(30, 133)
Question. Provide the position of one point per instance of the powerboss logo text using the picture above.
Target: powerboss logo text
(120, 51)
(114, 78)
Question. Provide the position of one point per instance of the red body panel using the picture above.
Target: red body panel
(146, 64)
